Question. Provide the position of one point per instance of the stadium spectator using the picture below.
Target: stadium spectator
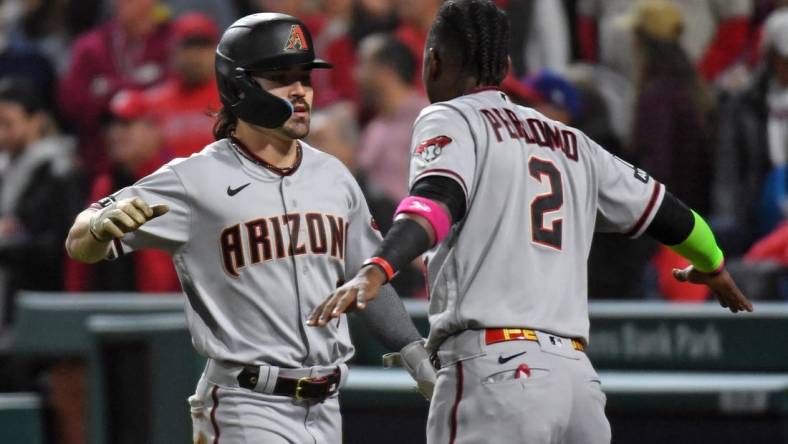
(716, 38)
(373, 16)
(335, 130)
(40, 193)
(607, 101)
(539, 36)
(559, 99)
(673, 131)
(224, 12)
(385, 71)
(20, 58)
(315, 22)
(752, 141)
(183, 105)
(135, 150)
(368, 17)
(338, 15)
(519, 92)
(673, 125)
(416, 18)
(50, 26)
(129, 51)
(39, 196)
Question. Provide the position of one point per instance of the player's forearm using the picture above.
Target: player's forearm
(81, 245)
(387, 320)
(685, 232)
(409, 237)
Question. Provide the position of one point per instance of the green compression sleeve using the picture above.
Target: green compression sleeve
(700, 247)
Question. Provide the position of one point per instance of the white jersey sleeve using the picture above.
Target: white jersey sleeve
(443, 145)
(363, 236)
(628, 196)
(167, 232)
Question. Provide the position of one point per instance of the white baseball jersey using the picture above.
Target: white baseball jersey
(257, 250)
(536, 191)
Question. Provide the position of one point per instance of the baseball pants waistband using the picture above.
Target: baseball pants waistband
(468, 344)
(267, 376)
(493, 335)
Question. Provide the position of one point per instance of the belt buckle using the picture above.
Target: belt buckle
(300, 387)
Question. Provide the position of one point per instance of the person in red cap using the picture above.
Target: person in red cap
(128, 51)
(135, 149)
(183, 105)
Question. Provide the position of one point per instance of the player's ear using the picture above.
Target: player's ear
(432, 64)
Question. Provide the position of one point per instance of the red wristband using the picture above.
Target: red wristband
(383, 264)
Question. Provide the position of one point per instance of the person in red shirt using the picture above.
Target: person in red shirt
(184, 104)
(417, 17)
(135, 150)
(129, 51)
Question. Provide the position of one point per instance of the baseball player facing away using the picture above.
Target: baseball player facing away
(507, 201)
(260, 226)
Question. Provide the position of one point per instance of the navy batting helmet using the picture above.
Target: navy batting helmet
(261, 42)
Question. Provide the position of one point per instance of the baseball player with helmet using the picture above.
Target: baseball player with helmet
(506, 201)
(260, 227)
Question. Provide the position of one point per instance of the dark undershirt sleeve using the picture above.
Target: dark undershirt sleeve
(387, 320)
(673, 222)
(406, 239)
(444, 190)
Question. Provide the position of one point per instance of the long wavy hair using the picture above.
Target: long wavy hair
(661, 58)
(225, 124)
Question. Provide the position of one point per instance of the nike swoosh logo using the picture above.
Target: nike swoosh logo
(502, 360)
(234, 191)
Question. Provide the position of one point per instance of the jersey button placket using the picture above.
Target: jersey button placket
(286, 195)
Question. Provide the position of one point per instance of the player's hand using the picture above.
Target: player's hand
(721, 284)
(123, 216)
(354, 295)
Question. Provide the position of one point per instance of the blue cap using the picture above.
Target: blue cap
(555, 89)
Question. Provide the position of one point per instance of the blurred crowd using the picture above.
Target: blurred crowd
(95, 94)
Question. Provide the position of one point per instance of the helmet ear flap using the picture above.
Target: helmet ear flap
(256, 105)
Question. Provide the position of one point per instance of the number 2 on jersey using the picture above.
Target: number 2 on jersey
(546, 203)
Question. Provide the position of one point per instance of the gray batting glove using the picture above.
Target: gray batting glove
(415, 359)
(121, 217)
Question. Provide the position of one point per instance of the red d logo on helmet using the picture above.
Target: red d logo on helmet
(297, 40)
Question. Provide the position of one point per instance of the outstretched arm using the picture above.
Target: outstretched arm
(93, 230)
(387, 320)
(685, 232)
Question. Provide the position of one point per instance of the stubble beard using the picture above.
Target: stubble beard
(296, 127)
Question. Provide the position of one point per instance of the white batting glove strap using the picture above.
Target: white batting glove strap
(415, 359)
(99, 219)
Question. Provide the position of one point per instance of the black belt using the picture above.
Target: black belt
(316, 388)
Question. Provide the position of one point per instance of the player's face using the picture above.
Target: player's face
(295, 86)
